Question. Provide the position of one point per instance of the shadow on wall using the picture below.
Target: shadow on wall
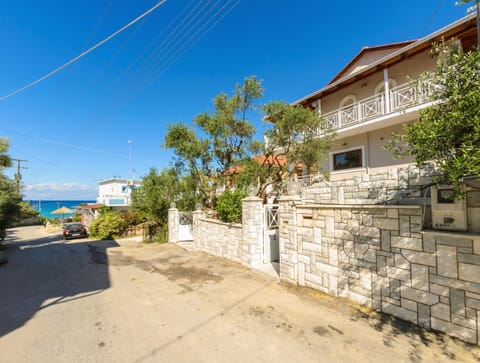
(44, 272)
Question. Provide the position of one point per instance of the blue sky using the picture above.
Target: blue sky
(74, 127)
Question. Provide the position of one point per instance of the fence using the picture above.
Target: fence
(33, 221)
(376, 255)
(243, 243)
(150, 231)
(379, 256)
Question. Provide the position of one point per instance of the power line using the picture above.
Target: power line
(159, 35)
(173, 58)
(173, 51)
(190, 15)
(81, 55)
(117, 53)
(120, 85)
(99, 22)
(174, 34)
(429, 20)
(78, 147)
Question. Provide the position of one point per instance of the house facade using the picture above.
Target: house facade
(117, 193)
(374, 95)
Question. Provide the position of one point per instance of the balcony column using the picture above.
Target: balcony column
(387, 90)
(319, 111)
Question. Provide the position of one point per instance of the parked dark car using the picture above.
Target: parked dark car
(74, 230)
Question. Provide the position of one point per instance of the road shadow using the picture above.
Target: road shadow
(47, 271)
(11, 235)
(392, 328)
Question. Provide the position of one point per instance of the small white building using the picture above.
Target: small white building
(116, 192)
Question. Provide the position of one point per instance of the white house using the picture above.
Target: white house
(381, 89)
(116, 193)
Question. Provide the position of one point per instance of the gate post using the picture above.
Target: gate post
(197, 215)
(288, 239)
(252, 221)
(173, 223)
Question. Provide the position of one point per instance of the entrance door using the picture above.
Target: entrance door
(185, 226)
(271, 247)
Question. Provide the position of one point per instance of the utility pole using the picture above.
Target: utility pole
(18, 174)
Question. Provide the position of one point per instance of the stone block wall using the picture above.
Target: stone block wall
(386, 186)
(252, 222)
(219, 239)
(173, 223)
(242, 243)
(380, 257)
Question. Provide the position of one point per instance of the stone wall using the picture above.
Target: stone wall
(386, 186)
(219, 239)
(32, 221)
(173, 224)
(242, 243)
(380, 257)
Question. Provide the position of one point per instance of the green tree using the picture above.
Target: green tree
(107, 226)
(448, 133)
(291, 138)
(228, 139)
(9, 197)
(229, 206)
(26, 210)
(158, 190)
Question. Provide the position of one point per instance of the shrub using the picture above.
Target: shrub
(107, 225)
(229, 206)
(156, 233)
(133, 218)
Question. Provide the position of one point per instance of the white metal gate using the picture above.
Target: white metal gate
(271, 248)
(185, 226)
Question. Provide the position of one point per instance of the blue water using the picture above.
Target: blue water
(46, 207)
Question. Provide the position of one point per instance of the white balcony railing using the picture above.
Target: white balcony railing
(400, 98)
(115, 199)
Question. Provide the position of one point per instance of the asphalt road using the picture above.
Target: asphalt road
(106, 301)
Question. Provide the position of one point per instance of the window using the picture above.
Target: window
(347, 159)
(348, 101)
(380, 88)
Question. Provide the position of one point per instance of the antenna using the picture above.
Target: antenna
(130, 159)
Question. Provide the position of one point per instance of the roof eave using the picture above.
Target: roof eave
(379, 62)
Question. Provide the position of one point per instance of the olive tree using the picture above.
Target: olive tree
(292, 137)
(220, 141)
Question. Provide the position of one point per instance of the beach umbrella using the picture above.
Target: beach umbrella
(62, 211)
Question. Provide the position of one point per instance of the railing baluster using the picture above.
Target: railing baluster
(401, 97)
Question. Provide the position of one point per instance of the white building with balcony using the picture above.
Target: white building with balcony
(375, 94)
(117, 193)
(380, 89)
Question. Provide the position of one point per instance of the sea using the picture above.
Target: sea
(46, 207)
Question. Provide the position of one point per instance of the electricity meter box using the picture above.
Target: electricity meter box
(447, 213)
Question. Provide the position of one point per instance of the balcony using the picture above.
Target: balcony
(400, 99)
(119, 200)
